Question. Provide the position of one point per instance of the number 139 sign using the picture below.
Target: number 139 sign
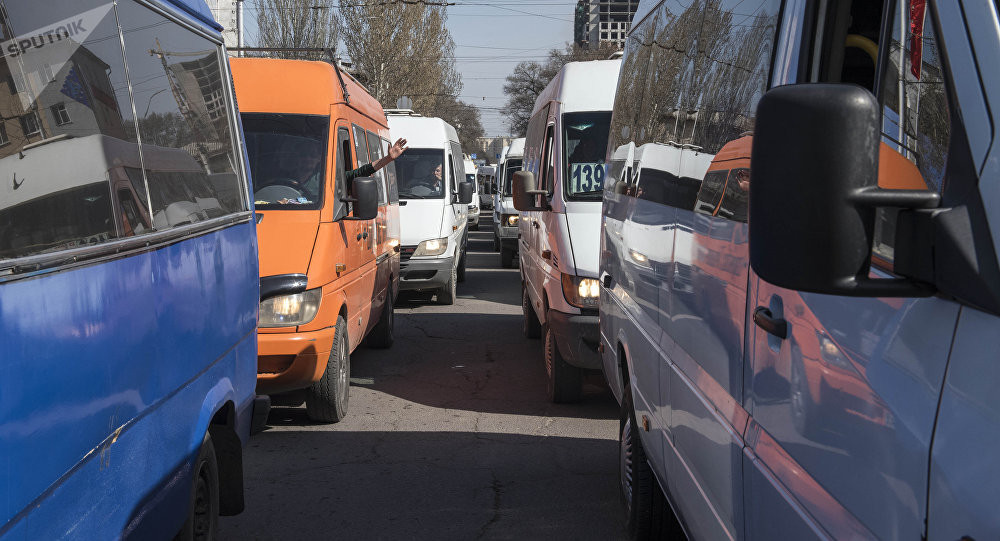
(586, 177)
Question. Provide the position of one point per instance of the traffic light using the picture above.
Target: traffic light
(580, 23)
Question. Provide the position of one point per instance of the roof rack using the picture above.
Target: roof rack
(401, 112)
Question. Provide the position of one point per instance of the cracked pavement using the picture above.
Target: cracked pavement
(448, 436)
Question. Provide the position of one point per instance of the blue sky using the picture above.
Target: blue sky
(491, 37)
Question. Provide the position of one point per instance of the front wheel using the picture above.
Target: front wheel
(447, 294)
(565, 381)
(507, 258)
(531, 327)
(496, 243)
(203, 510)
(326, 399)
(460, 274)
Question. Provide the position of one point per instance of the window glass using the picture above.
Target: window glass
(511, 166)
(452, 180)
(184, 119)
(58, 194)
(419, 173)
(585, 143)
(390, 174)
(533, 144)
(547, 168)
(360, 146)
(287, 159)
(710, 194)
(734, 202)
(343, 165)
(375, 154)
(915, 117)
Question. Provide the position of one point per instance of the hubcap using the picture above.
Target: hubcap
(342, 369)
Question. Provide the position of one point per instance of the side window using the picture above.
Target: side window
(915, 117)
(711, 192)
(57, 195)
(343, 166)
(390, 174)
(360, 146)
(534, 143)
(375, 154)
(548, 165)
(453, 182)
(177, 82)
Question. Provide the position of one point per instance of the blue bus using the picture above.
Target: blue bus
(129, 282)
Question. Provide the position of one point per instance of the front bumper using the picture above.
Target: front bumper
(292, 360)
(431, 273)
(577, 336)
(505, 232)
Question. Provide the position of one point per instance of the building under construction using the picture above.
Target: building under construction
(603, 21)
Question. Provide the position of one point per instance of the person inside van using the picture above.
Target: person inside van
(430, 183)
(369, 169)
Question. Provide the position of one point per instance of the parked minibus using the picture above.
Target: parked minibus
(128, 273)
(808, 352)
(329, 260)
(485, 176)
(559, 198)
(505, 216)
(434, 198)
(470, 176)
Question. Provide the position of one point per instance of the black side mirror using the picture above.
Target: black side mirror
(814, 192)
(525, 191)
(364, 195)
(464, 193)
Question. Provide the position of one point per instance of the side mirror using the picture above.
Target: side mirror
(525, 192)
(364, 195)
(814, 192)
(464, 193)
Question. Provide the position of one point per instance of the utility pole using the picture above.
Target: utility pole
(239, 27)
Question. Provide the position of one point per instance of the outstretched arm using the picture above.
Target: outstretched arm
(394, 152)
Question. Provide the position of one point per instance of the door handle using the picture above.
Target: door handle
(534, 224)
(364, 235)
(776, 326)
(607, 281)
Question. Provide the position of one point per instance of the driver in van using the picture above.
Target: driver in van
(431, 179)
(303, 168)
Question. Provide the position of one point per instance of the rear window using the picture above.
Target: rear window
(287, 159)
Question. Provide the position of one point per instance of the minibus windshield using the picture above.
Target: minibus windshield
(585, 142)
(420, 173)
(510, 167)
(287, 159)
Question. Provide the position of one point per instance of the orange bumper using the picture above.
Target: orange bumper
(290, 361)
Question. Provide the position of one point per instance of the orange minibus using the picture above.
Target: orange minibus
(329, 261)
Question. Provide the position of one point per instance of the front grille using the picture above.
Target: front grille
(405, 253)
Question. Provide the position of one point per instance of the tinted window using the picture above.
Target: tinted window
(287, 159)
(585, 142)
(360, 146)
(419, 173)
(57, 195)
(184, 119)
(390, 174)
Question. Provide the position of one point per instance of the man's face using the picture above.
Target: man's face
(437, 172)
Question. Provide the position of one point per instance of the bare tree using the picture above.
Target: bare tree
(296, 24)
(528, 80)
(402, 50)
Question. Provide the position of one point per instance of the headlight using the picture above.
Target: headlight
(639, 258)
(830, 353)
(431, 247)
(581, 292)
(510, 219)
(290, 310)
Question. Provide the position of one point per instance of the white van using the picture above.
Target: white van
(505, 216)
(560, 220)
(484, 177)
(433, 204)
(470, 176)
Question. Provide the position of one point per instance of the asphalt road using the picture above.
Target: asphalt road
(448, 436)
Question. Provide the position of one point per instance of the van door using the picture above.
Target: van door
(844, 406)
(360, 237)
(540, 139)
(379, 233)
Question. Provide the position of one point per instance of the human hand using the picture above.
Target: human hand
(397, 149)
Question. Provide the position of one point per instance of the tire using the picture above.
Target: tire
(381, 336)
(326, 399)
(647, 513)
(530, 327)
(496, 243)
(460, 273)
(507, 258)
(447, 294)
(203, 511)
(565, 381)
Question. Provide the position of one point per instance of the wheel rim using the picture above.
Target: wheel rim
(202, 519)
(625, 454)
(342, 370)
